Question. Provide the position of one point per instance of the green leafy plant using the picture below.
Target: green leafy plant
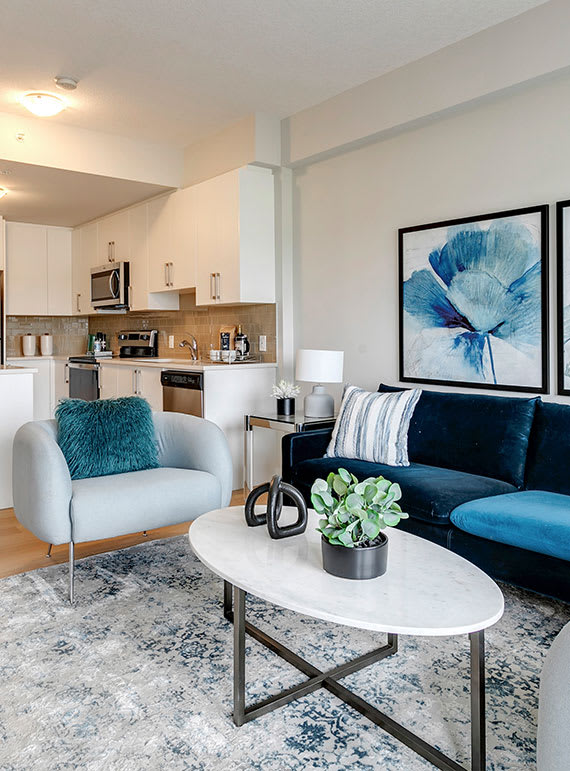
(355, 512)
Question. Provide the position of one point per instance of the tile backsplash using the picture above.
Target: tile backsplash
(69, 333)
(203, 323)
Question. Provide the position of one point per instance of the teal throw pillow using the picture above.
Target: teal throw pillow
(108, 436)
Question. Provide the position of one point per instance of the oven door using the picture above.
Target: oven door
(108, 286)
(84, 381)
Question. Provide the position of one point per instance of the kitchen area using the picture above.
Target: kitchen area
(171, 299)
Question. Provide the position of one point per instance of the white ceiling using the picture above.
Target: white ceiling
(177, 70)
(50, 196)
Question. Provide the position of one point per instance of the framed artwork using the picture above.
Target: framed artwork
(563, 294)
(474, 301)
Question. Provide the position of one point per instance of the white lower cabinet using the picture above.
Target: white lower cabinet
(50, 383)
(118, 380)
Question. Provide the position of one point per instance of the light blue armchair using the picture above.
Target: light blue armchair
(195, 476)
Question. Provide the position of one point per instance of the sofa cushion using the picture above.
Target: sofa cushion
(548, 461)
(428, 492)
(373, 426)
(483, 435)
(104, 507)
(106, 436)
(535, 520)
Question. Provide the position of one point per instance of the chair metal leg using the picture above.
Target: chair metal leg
(50, 547)
(71, 566)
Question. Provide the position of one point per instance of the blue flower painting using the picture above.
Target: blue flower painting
(473, 302)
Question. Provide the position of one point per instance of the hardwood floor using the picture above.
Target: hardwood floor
(21, 551)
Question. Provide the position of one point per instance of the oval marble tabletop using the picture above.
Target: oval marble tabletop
(426, 590)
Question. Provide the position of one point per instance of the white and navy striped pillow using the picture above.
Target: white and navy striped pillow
(374, 426)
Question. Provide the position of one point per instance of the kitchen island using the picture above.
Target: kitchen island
(16, 408)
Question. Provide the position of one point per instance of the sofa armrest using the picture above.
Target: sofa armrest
(41, 482)
(303, 446)
(185, 441)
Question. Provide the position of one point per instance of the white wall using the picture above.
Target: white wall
(525, 47)
(347, 210)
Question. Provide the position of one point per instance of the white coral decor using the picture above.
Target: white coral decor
(285, 390)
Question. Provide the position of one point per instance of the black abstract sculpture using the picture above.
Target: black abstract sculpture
(275, 489)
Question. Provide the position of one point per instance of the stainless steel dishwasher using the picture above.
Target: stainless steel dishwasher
(183, 392)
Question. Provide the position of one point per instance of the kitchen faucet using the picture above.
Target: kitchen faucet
(192, 347)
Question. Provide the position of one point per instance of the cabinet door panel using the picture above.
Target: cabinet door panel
(114, 239)
(160, 215)
(60, 382)
(183, 268)
(125, 381)
(88, 260)
(150, 387)
(108, 381)
(139, 258)
(59, 283)
(26, 269)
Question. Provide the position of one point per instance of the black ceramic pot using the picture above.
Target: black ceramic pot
(285, 406)
(364, 562)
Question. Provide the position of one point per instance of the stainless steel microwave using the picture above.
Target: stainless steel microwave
(110, 286)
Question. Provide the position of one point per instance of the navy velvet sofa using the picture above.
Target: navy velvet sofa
(489, 478)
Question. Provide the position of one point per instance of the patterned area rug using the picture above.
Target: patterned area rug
(138, 675)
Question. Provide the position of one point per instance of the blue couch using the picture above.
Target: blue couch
(489, 478)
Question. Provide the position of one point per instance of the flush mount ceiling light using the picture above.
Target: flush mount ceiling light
(3, 192)
(43, 104)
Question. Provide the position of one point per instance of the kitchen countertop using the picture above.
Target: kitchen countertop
(159, 363)
(8, 369)
(57, 357)
(185, 364)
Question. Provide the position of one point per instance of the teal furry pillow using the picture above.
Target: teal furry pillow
(108, 436)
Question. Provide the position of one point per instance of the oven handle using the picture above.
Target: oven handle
(79, 365)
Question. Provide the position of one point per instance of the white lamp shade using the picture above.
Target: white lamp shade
(316, 366)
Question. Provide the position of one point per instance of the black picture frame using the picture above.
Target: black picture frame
(560, 356)
(543, 211)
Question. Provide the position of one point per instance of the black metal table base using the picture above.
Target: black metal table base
(329, 680)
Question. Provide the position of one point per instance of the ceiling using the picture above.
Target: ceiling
(173, 72)
(49, 196)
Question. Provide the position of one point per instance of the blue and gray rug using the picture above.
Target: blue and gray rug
(138, 675)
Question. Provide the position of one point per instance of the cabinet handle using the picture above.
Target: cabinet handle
(66, 373)
(108, 251)
(212, 291)
(112, 251)
(171, 273)
(134, 381)
(166, 274)
(77, 302)
(139, 376)
(218, 289)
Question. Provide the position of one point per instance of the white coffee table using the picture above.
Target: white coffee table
(427, 590)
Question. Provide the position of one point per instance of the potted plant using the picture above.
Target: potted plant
(353, 516)
(285, 394)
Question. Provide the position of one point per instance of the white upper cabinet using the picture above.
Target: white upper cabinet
(172, 242)
(114, 239)
(235, 238)
(59, 283)
(160, 234)
(38, 270)
(26, 269)
(183, 268)
(85, 257)
(141, 298)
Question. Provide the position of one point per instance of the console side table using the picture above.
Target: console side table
(286, 424)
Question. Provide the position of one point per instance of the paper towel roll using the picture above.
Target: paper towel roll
(46, 344)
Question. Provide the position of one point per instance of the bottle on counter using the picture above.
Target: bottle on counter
(241, 344)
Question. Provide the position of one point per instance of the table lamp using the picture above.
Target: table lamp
(319, 367)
